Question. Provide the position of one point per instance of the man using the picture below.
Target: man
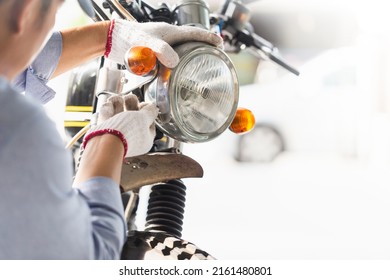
(42, 216)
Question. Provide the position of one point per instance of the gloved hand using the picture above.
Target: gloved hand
(131, 121)
(158, 36)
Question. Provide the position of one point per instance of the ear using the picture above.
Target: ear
(19, 13)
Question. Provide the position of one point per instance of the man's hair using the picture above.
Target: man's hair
(45, 5)
(17, 6)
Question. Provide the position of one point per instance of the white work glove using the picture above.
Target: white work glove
(131, 121)
(158, 36)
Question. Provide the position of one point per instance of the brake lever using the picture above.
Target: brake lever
(259, 43)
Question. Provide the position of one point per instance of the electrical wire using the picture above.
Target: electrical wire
(77, 136)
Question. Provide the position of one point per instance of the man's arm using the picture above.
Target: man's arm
(65, 50)
(33, 80)
(102, 158)
(82, 44)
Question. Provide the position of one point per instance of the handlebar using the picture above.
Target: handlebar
(233, 15)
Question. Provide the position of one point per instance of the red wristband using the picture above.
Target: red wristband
(109, 39)
(117, 133)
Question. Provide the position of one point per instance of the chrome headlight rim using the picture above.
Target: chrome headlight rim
(196, 50)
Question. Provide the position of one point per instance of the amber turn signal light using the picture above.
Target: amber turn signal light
(141, 60)
(243, 121)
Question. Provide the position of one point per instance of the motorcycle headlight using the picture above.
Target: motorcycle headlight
(198, 98)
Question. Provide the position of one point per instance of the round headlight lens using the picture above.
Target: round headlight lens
(202, 94)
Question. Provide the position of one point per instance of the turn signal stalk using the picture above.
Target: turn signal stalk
(243, 122)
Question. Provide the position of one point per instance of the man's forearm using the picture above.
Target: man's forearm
(102, 157)
(82, 44)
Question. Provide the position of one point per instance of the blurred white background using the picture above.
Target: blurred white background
(327, 194)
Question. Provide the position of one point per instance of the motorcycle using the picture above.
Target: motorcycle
(197, 100)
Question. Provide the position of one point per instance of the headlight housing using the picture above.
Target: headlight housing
(198, 98)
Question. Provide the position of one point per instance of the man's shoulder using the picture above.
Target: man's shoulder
(22, 118)
(26, 132)
(15, 107)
